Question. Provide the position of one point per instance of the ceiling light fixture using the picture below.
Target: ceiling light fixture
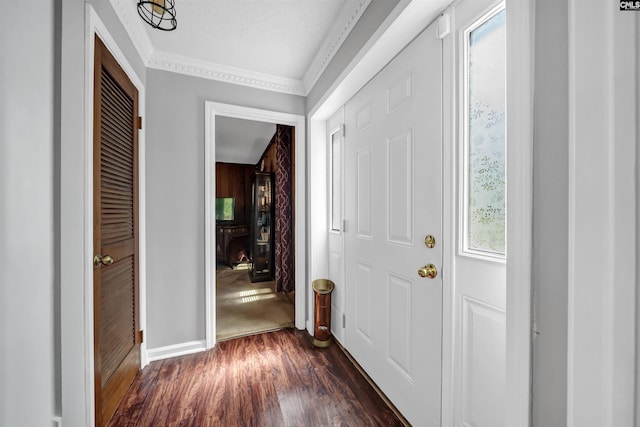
(160, 14)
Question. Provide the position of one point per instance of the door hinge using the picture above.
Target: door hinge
(344, 225)
(344, 321)
(139, 122)
(444, 25)
(140, 337)
(343, 128)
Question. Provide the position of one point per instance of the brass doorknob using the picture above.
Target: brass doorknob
(429, 271)
(102, 260)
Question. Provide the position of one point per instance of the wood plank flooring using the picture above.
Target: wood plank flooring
(273, 379)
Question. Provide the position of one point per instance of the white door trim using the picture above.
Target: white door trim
(213, 109)
(603, 138)
(82, 405)
(520, 67)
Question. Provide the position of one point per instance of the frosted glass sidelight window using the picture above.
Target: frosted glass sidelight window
(336, 183)
(485, 135)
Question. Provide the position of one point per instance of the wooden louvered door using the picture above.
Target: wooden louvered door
(115, 225)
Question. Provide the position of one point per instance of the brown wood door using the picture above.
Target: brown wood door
(115, 227)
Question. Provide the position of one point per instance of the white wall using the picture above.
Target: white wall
(603, 75)
(27, 267)
(585, 245)
(550, 215)
(175, 196)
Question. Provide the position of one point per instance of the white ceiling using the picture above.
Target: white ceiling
(277, 37)
(241, 141)
(279, 45)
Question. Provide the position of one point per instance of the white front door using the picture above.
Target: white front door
(393, 199)
(478, 259)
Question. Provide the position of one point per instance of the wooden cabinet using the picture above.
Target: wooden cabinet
(262, 228)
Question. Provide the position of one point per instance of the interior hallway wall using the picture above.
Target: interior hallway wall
(175, 196)
(27, 229)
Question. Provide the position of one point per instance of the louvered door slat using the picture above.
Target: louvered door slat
(117, 101)
(119, 197)
(115, 165)
(113, 90)
(114, 149)
(111, 125)
(115, 175)
(118, 181)
(116, 154)
(109, 189)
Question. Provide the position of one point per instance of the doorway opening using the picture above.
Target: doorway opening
(255, 291)
(251, 270)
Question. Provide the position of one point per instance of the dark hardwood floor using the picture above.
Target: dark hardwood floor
(274, 379)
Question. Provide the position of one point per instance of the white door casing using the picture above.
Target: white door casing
(393, 181)
(603, 259)
(335, 150)
(213, 109)
(475, 352)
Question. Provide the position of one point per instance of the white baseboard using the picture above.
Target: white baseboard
(175, 350)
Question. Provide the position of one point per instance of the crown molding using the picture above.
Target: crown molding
(334, 40)
(224, 73)
(153, 58)
(125, 9)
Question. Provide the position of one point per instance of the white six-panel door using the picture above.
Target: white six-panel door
(393, 174)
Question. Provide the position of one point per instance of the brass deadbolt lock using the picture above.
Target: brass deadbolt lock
(430, 241)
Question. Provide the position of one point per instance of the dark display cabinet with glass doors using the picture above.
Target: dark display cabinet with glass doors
(262, 228)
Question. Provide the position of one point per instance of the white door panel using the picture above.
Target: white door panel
(393, 184)
(482, 363)
(476, 387)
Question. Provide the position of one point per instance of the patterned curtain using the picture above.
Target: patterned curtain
(284, 220)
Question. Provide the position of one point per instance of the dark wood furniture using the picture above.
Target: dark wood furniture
(262, 228)
(225, 233)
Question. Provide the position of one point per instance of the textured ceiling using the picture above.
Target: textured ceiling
(241, 141)
(277, 45)
(276, 37)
